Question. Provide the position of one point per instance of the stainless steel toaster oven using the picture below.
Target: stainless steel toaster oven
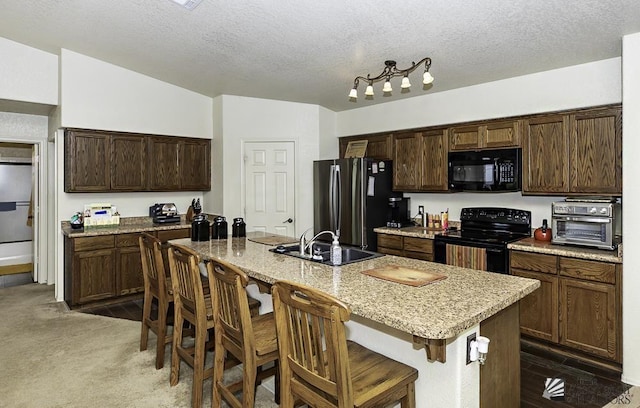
(595, 223)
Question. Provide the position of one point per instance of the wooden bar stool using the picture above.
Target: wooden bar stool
(193, 306)
(249, 340)
(319, 367)
(156, 285)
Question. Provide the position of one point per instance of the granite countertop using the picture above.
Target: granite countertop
(417, 232)
(440, 310)
(542, 247)
(126, 226)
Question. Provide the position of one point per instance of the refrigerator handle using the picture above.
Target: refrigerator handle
(332, 198)
(338, 201)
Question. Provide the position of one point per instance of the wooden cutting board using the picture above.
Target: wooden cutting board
(274, 240)
(405, 276)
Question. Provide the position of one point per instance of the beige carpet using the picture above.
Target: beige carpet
(52, 357)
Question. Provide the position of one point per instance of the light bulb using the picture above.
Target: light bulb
(387, 87)
(405, 83)
(369, 90)
(354, 93)
(427, 78)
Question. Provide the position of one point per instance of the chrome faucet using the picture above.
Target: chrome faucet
(306, 247)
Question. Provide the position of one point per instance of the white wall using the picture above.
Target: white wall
(592, 84)
(27, 74)
(250, 120)
(595, 83)
(328, 146)
(630, 216)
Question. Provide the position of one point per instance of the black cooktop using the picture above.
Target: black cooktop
(491, 226)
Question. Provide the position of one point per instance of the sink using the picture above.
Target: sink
(322, 253)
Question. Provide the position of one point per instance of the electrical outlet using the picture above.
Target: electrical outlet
(470, 338)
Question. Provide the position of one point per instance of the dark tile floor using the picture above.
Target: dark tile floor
(584, 385)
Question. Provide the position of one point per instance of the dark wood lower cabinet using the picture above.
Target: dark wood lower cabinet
(95, 279)
(410, 247)
(578, 308)
(107, 267)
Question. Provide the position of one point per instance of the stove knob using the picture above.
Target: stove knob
(593, 210)
(604, 211)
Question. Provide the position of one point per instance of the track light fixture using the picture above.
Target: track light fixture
(391, 71)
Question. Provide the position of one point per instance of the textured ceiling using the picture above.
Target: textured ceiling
(310, 51)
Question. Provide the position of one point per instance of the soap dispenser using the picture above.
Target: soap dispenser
(336, 252)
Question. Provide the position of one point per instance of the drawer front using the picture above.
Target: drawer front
(166, 235)
(588, 270)
(390, 251)
(91, 243)
(127, 240)
(418, 245)
(534, 262)
(390, 241)
(419, 255)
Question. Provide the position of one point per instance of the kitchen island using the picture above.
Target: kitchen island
(399, 320)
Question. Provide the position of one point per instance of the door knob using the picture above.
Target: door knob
(288, 220)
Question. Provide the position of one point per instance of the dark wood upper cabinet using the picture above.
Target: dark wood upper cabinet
(163, 163)
(574, 153)
(596, 152)
(545, 155)
(99, 161)
(87, 161)
(195, 164)
(490, 135)
(406, 161)
(128, 163)
(434, 160)
(379, 146)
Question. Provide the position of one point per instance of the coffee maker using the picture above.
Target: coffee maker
(398, 213)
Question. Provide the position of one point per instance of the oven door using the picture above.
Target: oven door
(471, 254)
(586, 231)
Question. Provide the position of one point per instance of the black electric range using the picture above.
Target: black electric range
(488, 228)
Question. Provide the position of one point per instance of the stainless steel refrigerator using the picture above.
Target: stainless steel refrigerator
(15, 196)
(352, 198)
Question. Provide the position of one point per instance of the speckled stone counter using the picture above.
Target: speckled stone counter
(439, 310)
(417, 232)
(126, 226)
(541, 247)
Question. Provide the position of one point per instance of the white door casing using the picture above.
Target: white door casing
(270, 187)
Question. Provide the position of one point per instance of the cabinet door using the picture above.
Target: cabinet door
(378, 146)
(128, 163)
(163, 163)
(464, 138)
(406, 161)
(195, 164)
(596, 152)
(588, 319)
(129, 271)
(539, 310)
(87, 161)
(434, 161)
(501, 134)
(93, 275)
(545, 152)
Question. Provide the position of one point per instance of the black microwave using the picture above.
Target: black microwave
(486, 170)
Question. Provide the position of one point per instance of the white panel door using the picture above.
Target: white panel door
(269, 187)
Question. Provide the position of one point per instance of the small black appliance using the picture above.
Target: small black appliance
(398, 213)
(164, 213)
